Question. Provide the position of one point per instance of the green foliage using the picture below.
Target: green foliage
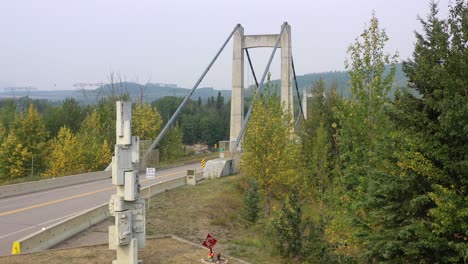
(270, 156)
(251, 203)
(437, 122)
(30, 131)
(199, 123)
(66, 157)
(69, 114)
(96, 149)
(14, 158)
(171, 146)
(400, 184)
(7, 113)
(318, 145)
(298, 238)
(288, 227)
(146, 122)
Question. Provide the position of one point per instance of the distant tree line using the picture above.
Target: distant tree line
(43, 139)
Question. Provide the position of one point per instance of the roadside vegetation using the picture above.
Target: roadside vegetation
(377, 176)
(39, 140)
(372, 178)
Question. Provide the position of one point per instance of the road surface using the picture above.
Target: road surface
(25, 214)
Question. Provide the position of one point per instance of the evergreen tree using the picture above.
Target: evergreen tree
(437, 121)
(317, 140)
(288, 227)
(8, 113)
(219, 101)
(69, 114)
(368, 182)
(251, 203)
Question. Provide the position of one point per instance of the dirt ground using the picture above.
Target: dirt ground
(157, 250)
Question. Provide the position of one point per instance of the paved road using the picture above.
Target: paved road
(25, 214)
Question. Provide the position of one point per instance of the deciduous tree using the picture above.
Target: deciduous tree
(270, 156)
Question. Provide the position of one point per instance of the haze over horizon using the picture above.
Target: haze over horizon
(53, 44)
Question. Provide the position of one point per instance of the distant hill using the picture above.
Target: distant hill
(154, 91)
(341, 78)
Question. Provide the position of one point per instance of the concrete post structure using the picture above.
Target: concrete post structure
(128, 234)
(237, 99)
(305, 97)
(242, 42)
(304, 102)
(286, 72)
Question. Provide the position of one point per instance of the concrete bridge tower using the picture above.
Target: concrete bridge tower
(242, 42)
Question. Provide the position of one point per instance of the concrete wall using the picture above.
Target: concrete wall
(217, 168)
(162, 187)
(42, 185)
(58, 232)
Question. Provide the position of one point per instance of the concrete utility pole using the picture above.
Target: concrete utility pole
(128, 234)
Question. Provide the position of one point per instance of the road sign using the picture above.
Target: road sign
(203, 163)
(209, 242)
(221, 155)
(16, 248)
(150, 173)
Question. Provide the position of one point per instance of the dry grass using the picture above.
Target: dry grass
(162, 250)
(191, 212)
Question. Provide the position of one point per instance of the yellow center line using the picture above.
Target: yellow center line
(71, 197)
(54, 201)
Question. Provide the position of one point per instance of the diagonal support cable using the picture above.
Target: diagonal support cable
(297, 88)
(184, 102)
(260, 87)
(251, 66)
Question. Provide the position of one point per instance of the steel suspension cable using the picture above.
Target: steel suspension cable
(297, 87)
(251, 66)
(260, 87)
(187, 97)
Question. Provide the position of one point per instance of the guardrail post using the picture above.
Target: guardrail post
(191, 177)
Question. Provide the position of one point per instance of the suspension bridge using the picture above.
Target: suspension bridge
(23, 215)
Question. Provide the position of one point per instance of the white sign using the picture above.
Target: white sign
(221, 155)
(150, 173)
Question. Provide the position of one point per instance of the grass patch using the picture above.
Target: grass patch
(192, 212)
(161, 250)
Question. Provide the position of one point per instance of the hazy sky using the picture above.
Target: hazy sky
(52, 44)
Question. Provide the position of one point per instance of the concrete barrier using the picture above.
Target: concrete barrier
(47, 184)
(220, 167)
(58, 232)
(162, 187)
